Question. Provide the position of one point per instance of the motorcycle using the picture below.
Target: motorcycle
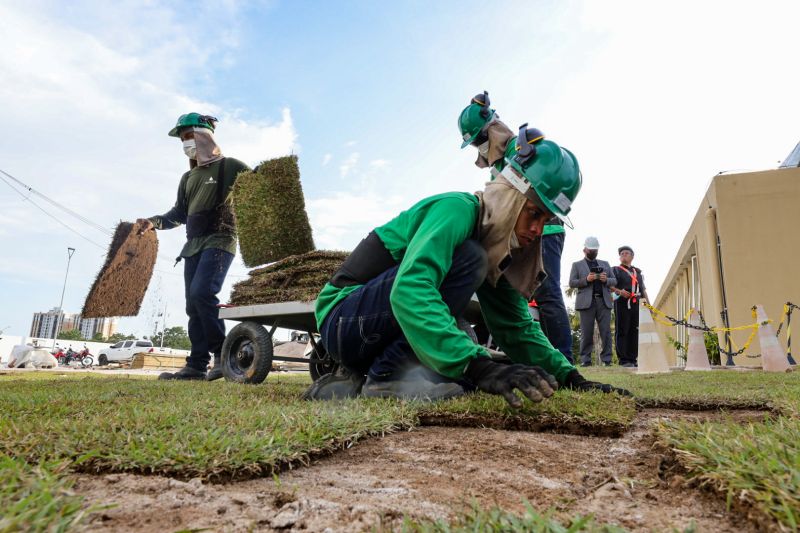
(67, 358)
(86, 358)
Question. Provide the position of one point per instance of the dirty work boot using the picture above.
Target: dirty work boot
(342, 383)
(186, 373)
(413, 385)
(216, 371)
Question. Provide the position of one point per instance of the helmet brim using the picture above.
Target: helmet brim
(472, 139)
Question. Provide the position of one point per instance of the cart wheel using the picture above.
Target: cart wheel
(247, 353)
(327, 366)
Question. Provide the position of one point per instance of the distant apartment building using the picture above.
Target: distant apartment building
(104, 326)
(44, 324)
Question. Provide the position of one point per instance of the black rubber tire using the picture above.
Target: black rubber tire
(247, 353)
(102, 360)
(87, 361)
(317, 370)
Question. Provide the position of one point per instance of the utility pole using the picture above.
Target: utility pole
(70, 251)
(163, 326)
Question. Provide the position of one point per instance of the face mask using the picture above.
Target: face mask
(591, 255)
(484, 149)
(190, 149)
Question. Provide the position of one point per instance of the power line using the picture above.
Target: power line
(55, 204)
(40, 208)
(80, 217)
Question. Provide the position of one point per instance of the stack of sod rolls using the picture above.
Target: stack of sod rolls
(121, 284)
(271, 217)
(295, 278)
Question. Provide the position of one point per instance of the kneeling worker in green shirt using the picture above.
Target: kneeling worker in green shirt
(388, 316)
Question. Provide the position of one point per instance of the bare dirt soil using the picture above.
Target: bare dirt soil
(432, 472)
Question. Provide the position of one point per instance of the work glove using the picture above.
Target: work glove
(577, 382)
(502, 379)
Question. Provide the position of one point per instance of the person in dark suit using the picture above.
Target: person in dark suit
(593, 278)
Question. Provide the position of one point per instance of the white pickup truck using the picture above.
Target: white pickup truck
(123, 351)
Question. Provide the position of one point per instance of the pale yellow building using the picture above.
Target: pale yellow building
(742, 249)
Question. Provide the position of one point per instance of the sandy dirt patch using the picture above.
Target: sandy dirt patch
(432, 472)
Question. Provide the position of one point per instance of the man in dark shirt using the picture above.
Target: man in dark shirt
(630, 289)
(210, 239)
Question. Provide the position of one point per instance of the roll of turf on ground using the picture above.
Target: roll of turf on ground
(121, 284)
(295, 278)
(271, 216)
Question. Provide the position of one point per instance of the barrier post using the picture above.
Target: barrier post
(652, 359)
(696, 355)
(772, 357)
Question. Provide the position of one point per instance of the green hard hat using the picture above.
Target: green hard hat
(552, 171)
(193, 120)
(474, 118)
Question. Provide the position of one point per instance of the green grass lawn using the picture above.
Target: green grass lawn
(37, 497)
(592, 413)
(707, 390)
(52, 423)
(495, 519)
(756, 463)
(216, 431)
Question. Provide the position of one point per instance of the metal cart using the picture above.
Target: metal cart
(247, 352)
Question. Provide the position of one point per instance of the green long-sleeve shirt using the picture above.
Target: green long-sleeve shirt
(422, 240)
(197, 191)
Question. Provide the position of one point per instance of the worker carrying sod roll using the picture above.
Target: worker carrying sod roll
(389, 315)
(203, 205)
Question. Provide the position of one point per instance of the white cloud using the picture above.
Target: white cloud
(326, 159)
(340, 221)
(350, 144)
(348, 164)
(380, 163)
(89, 103)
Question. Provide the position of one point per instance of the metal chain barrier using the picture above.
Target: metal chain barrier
(786, 317)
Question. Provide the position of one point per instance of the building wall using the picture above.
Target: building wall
(43, 324)
(756, 216)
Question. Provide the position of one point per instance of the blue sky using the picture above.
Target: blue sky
(653, 99)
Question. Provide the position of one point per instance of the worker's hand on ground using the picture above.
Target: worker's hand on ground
(591, 277)
(624, 293)
(502, 379)
(145, 225)
(577, 382)
(603, 277)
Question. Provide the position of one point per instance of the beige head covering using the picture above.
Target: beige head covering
(501, 205)
(499, 134)
(207, 150)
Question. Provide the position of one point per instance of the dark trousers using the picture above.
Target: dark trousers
(362, 334)
(203, 274)
(553, 315)
(597, 312)
(627, 331)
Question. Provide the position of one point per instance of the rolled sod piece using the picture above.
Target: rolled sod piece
(295, 278)
(121, 284)
(271, 217)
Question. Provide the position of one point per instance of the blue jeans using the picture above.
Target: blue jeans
(553, 315)
(203, 274)
(362, 334)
